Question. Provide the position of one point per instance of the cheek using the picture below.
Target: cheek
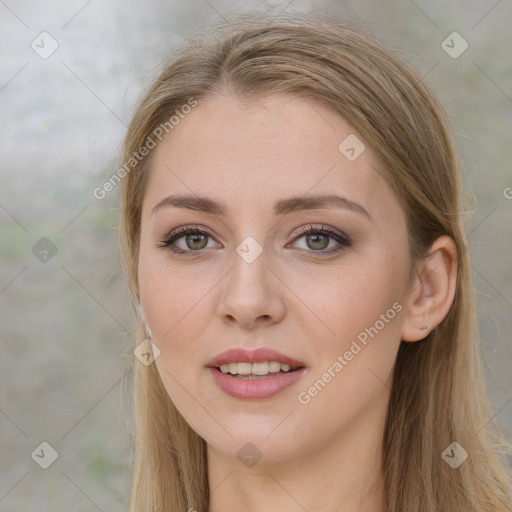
(176, 305)
(357, 298)
(362, 310)
(167, 302)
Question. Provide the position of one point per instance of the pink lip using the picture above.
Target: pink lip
(240, 355)
(255, 389)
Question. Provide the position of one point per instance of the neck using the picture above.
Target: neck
(343, 475)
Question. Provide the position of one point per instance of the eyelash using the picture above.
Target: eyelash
(180, 232)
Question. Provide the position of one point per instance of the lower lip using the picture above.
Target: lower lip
(255, 389)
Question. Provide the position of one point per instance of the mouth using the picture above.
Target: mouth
(255, 374)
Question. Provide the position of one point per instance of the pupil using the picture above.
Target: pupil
(193, 239)
(314, 239)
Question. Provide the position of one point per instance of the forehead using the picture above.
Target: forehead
(245, 153)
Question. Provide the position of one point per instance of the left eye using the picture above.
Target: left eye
(317, 239)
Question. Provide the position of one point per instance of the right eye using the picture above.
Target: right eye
(194, 240)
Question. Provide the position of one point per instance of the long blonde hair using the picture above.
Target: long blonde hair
(438, 394)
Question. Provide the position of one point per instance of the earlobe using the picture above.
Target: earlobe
(142, 318)
(140, 313)
(432, 291)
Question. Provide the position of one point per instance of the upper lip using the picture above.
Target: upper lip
(240, 355)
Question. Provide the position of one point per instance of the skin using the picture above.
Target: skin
(323, 455)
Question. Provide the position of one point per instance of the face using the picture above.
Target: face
(320, 283)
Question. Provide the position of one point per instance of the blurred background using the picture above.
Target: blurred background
(71, 73)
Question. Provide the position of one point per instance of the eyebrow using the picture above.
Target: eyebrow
(281, 207)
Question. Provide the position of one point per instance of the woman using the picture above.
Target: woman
(295, 248)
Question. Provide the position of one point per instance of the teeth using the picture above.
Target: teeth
(274, 366)
(263, 368)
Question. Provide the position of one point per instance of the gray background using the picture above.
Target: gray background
(65, 324)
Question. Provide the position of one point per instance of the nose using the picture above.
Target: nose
(252, 294)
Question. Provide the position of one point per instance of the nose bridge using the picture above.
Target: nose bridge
(251, 292)
(250, 266)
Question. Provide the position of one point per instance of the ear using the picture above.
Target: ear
(432, 290)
